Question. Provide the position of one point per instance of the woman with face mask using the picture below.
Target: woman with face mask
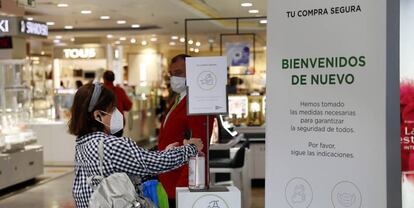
(94, 117)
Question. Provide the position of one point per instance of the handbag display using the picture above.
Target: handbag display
(116, 190)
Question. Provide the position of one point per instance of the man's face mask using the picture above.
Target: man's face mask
(178, 84)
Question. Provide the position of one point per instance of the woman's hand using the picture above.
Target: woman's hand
(196, 141)
(172, 145)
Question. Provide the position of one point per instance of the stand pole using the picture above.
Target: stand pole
(208, 153)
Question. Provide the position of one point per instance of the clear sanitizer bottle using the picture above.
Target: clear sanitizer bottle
(197, 172)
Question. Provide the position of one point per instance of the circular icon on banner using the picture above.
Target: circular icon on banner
(346, 194)
(210, 201)
(299, 193)
(207, 80)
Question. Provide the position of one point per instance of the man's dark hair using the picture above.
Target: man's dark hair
(179, 57)
(109, 76)
(83, 122)
(78, 84)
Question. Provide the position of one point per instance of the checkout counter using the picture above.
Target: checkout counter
(247, 117)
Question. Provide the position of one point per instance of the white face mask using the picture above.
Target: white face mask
(116, 123)
(178, 84)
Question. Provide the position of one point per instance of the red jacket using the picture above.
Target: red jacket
(123, 103)
(173, 131)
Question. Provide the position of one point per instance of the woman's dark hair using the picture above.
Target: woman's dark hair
(83, 122)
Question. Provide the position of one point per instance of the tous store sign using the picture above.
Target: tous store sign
(79, 53)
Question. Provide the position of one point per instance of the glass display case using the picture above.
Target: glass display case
(63, 99)
(15, 106)
(42, 88)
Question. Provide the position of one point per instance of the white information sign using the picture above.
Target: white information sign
(231, 198)
(206, 82)
(329, 132)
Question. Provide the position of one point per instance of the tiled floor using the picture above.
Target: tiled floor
(57, 194)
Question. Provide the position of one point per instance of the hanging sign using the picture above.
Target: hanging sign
(332, 94)
(206, 82)
(16, 26)
(4, 26)
(33, 28)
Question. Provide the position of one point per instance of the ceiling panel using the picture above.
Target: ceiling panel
(167, 15)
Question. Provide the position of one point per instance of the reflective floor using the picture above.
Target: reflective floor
(57, 194)
(53, 194)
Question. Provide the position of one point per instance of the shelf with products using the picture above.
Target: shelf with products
(246, 110)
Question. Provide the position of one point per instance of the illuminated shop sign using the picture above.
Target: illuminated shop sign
(16, 26)
(79, 52)
(33, 28)
(76, 53)
(4, 26)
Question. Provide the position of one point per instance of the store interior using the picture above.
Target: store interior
(136, 40)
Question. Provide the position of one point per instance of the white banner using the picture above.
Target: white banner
(326, 95)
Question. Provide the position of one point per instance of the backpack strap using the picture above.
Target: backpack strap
(101, 156)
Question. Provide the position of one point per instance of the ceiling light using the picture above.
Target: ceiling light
(86, 12)
(105, 17)
(144, 43)
(62, 5)
(133, 40)
(253, 11)
(196, 50)
(56, 41)
(190, 42)
(50, 23)
(72, 39)
(263, 21)
(58, 37)
(121, 22)
(198, 43)
(191, 49)
(30, 18)
(122, 38)
(246, 4)
(135, 26)
(42, 53)
(174, 37)
(154, 39)
(182, 40)
(172, 43)
(117, 42)
(109, 36)
(68, 27)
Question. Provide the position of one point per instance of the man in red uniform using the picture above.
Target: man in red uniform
(123, 103)
(176, 123)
